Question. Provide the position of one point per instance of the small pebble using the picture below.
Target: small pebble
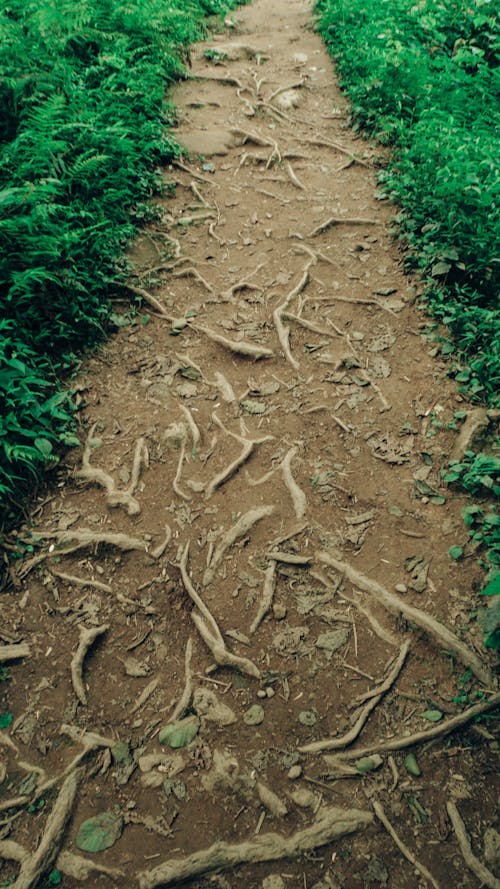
(254, 715)
(270, 692)
(261, 693)
(303, 798)
(279, 611)
(357, 336)
(295, 772)
(307, 717)
(401, 588)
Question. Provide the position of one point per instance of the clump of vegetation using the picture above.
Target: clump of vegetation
(83, 129)
(423, 77)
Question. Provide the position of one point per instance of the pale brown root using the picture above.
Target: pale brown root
(239, 529)
(440, 730)
(224, 387)
(288, 558)
(297, 529)
(352, 734)
(445, 638)
(89, 740)
(87, 639)
(82, 581)
(229, 81)
(193, 428)
(282, 331)
(331, 824)
(114, 497)
(375, 624)
(145, 695)
(148, 298)
(294, 178)
(309, 325)
(191, 272)
(75, 866)
(222, 656)
(201, 216)
(255, 482)
(176, 482)
(276, 197)
(401, 846)
(394, 771)
(160, 549)
(196, 598)
(185, 698)
(285, 89)
(13, 652)
(240, 347)
(271, 801)
(362, 302)
(254, 138)
(85, 537)
(473, 863)
(41, 860)
(195, 175)
(242, 285)
(230, 470)
(197, 193)
(298, 497)
(267, 597)
(327, 143)
(341, 220)
(213, 233)
(184, 357)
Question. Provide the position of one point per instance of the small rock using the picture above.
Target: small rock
(261, 693)
(300, 58)
(357, 336)
(279, 611)
(332, 640)
(295, 772)
(401, 588)
(303, 798)
(270, 692)
(254, 715)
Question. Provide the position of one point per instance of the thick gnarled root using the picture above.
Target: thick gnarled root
(87, 639)
(239, 529)
(115, 497)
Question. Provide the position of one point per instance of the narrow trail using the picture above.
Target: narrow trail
(254, 535)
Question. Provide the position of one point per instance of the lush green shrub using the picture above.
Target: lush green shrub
(425, 78)
(83, 129)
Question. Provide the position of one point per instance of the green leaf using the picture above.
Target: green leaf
(5, 720)
(412, 766)
(368, 763)
(456, 552)
(55, 877)
(44, 446)
(100, 832)
(181, 733)
(492, 588)
(432, 715)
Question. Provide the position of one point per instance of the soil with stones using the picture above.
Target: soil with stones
(252, 542)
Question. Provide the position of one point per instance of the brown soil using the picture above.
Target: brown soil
(365, 408)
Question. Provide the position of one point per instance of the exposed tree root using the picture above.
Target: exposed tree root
(285, 89)
(147, 297)
(362, 302)
(271, 801)
(240, 347)
(331, 824)
(209, 629)
(242, 526)
(197, 193)
(195, 432)
(176, 482)
(115, 497)
(298, 497)
(193, 173)
(248, 447)
(41, 860)
(191, 272)
(267, 596)
(160, 549)
(396, 605)
(242, 285)
(401, 743)
(401, 846)
(327, 143)
(185, 698)
(341, 220)
(289, 558)
(378, 694)
(13, 652)
(282, 331)
(82, 581)
(294, 178)
(75, 866)
(309, 325)
(224, 387)
(145, 694)
(87, 638)
(473, 863)
(377, 627)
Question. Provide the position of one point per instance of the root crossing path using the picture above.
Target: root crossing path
(237, 629)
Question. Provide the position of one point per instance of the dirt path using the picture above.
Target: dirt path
(286, 446)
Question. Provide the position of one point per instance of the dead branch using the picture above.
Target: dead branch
(473, 863)
(401, 846)
(267, 596)
(341, 220)
(185, 698)
(352, 734)
(239, 529)
(87, 639)
(298, 497)
(240, 347)
(13, 652)
(331, 824)
(82, 581)
(41, 860)
(396, 605)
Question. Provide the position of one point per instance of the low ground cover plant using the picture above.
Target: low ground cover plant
(83, 129)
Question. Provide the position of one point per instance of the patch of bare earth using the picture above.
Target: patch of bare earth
(254, 534)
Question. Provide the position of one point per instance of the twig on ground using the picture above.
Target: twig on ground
(473, 863)
(401, 846)
(267, 596)
(87, 639)
(298, 497)
(42, 859)
(331, 824)
(379, 692)
(396, 605)
(239, 529)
